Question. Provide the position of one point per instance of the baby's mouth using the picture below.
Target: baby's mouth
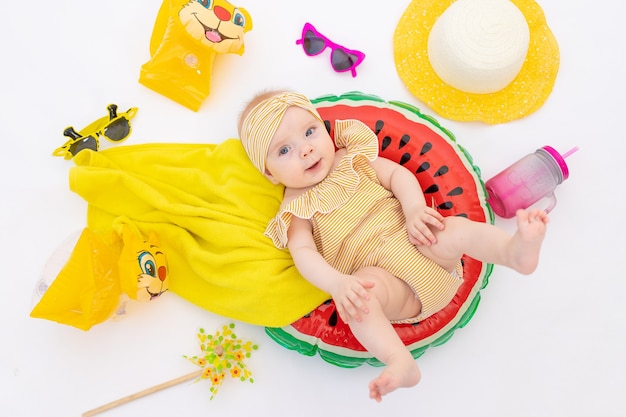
(314, 166)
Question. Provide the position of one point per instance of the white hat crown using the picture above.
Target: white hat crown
(479, 46)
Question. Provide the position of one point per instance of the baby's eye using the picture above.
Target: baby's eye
(284, 150)
(309, 132)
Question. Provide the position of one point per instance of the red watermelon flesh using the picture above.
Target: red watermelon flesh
(447, 175)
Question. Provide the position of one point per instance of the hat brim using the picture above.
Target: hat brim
(525, 94)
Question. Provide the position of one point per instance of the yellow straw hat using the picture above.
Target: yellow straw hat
(498, 58)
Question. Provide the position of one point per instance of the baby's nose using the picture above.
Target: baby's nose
(307, 149)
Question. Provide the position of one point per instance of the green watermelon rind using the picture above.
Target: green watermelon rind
(348, 358)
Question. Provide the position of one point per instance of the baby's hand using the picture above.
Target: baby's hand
(419, 223)
(350, 295)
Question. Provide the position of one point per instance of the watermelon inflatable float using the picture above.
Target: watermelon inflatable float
(449, 178)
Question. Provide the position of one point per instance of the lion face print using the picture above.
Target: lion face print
(216, 24)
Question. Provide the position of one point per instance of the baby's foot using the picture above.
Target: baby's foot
(526, 243)
(394, 376)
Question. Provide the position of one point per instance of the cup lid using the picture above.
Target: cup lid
(559, 160)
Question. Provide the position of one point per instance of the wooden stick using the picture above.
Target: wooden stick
(152, 390)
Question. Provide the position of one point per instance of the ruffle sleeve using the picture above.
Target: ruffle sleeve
(357, 138)
(361, 146)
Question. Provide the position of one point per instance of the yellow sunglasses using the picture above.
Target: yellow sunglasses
(115, 127)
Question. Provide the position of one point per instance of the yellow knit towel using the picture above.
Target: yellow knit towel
(209, 207)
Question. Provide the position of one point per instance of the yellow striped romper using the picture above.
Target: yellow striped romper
(358, 223)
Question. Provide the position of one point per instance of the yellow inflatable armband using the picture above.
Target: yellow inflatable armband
(100, 271)
(187, 36)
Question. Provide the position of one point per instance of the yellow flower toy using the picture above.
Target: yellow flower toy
(222, 353)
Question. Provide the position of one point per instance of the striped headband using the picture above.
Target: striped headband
(261, 123)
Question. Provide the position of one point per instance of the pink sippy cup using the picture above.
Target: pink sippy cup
(527, 181)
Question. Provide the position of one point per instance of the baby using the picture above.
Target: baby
(359, 228)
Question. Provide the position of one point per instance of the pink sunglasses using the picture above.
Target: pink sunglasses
(341, 59)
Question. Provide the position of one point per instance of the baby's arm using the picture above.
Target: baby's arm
(347, 291)
(403, 184)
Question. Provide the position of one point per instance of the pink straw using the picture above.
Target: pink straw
(571, 151)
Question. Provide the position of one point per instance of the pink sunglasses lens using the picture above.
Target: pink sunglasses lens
(342, 61)
(313, 44)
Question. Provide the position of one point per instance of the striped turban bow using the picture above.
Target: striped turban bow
(261, 123)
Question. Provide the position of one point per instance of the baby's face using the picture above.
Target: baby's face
(301, 153)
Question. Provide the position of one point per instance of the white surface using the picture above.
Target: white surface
(551, 344)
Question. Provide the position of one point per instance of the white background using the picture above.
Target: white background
(550, 344)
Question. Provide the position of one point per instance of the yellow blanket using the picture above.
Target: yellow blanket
(209, 207)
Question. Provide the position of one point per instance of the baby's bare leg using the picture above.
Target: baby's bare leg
(377, 335)
(491, 244)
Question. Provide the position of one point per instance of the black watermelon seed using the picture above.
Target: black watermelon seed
(386, 142)
(332, 320)
(405, 158)
(379, 126)
(423, 167)
(404, 140)
(432, 189)
(327, 124)
(446, 206)
(441, 171)
(456, 191)
(462, 215)
(427, 147)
